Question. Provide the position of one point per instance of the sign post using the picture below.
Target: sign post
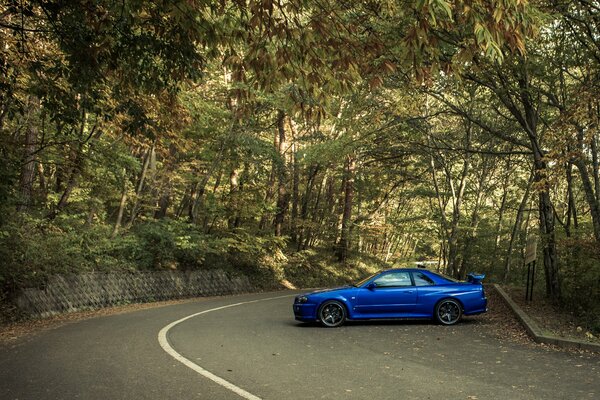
(530, 257)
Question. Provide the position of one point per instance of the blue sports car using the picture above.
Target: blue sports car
(395, 293)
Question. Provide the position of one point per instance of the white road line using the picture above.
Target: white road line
(164, 343)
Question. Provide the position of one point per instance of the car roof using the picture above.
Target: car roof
(432, 274)
(406, 270)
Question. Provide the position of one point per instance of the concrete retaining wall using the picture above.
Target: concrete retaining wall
(96, 290)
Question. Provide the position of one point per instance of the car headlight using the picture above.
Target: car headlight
(301, 299)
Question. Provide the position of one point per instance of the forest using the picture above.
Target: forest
(302, 139)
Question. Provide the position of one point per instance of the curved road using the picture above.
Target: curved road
(252, 343)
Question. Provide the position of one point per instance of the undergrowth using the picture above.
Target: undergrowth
(33, 250)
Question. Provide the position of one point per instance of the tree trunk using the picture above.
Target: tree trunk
(452, 228)
(516, 228)
(201, 189)
(77, 159)
(547, 227)
(28, 168)
(498, 230)
(457, 199)
(270, 192)
(283, 196)
(316, 216)
(443, 228)
(163, 204)
(295, 194)
(343, 246)
(471, 236)
(140, 186)
(590, 197)
(234, 188)
(595, 165)
(122, 205)
(43, 183)
(305, 202)
(183, 204)
(527, 115)
(588, 187)
(571, 206)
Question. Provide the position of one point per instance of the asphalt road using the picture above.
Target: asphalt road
(259, 348)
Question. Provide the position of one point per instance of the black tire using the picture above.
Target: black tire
(332, 314)
(448, 312)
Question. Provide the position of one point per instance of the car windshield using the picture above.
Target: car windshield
(363, 281)
(444, 276)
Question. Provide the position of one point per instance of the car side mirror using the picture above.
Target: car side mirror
(371, 286)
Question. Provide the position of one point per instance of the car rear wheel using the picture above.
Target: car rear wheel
(448, 312)
(332, 314)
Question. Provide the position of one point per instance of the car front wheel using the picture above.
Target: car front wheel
(332, 314)
(448, 312)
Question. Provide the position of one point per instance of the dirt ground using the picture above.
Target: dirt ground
(560, 322)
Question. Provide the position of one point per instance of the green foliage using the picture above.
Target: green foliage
(8, 177)
(32, 250)
(168, 134)
(581, 280)
(35, 250)
(320, 268)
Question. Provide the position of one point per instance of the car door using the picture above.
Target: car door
(390, 294)
(427, 294)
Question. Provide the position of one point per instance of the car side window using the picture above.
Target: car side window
(394, 279)
(422, 280)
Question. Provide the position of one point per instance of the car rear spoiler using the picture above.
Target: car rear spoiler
(475, 278)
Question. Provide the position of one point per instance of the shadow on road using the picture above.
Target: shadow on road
(386, 322)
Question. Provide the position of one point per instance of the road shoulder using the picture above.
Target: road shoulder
(541, 335)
